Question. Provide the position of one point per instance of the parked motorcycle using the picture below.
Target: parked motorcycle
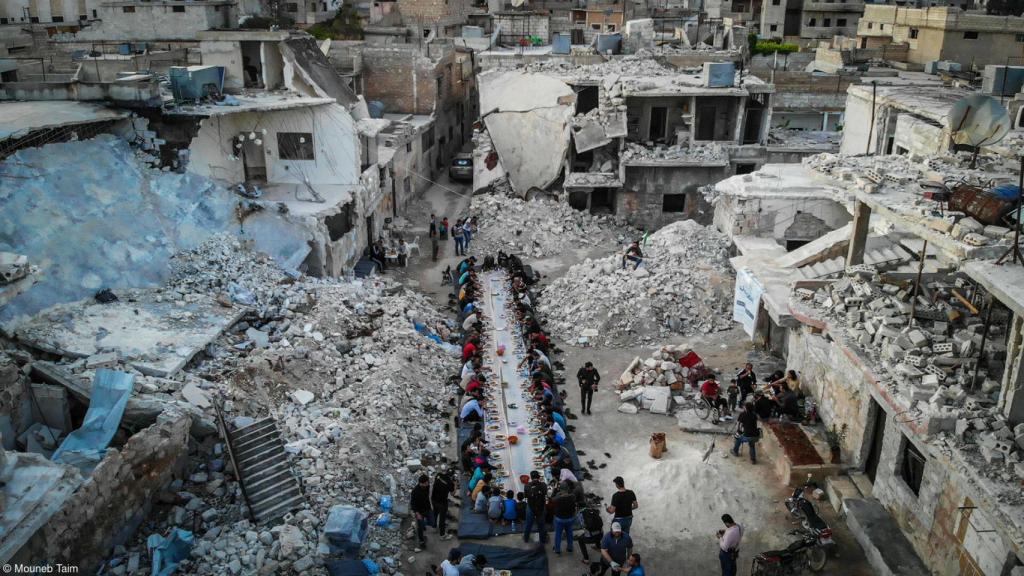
(809, 552)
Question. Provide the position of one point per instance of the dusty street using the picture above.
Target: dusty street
(681, 497)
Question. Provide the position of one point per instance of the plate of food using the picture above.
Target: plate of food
(493, 427)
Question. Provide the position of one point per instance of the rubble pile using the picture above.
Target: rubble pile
(649, 383)
(538, 228)
(631, 65)
(702, 154)
(684, 285)
(355, 374)
(930, 364)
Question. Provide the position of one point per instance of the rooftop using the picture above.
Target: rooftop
(252, 102)
(19, 118)
(930, 101)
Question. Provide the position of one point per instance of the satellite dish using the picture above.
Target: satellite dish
(978, 120)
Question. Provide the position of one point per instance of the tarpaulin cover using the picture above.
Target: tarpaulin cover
(346, 529)
(346, 568)
(109, 396)
(168, 552)
(532, 562)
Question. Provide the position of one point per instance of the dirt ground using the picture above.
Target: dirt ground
(681, 498)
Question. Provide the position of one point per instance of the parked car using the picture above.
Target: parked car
(461, 167)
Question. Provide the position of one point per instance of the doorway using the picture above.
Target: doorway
(752, 127)
(369, 230)
(254, 163)
(706, 122)
(659, 121)
(602, 201)
(877, 417)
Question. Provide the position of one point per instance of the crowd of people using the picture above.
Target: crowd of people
(461, 233)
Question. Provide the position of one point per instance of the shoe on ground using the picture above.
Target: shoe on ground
(446, 537)
(417, 550)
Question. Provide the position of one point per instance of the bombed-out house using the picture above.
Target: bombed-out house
(901, 310)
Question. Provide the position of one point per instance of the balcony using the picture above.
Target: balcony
(851, 7)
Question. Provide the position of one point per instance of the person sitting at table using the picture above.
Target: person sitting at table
(540, 341)
(469, 321)
(560, 459)
(471, 410)
(470, 348)
(556, 435)
(483, 483)
(377, 255)
(466, 264)
(476, 384)
(555, 416)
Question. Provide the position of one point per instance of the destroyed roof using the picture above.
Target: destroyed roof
(784, 181)
(251, 102)
(304, 53)
(19, 118)
(930, 101)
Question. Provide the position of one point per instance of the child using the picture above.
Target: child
(509, 516)
(521, 507)
(494, 505)
(480, 504)
(734, 391)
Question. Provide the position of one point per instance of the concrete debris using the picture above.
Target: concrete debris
(929, 364)
(13, 267)
(538, 228)
(703, 155)
(686, 287)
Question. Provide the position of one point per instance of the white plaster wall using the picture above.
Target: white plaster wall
(918, 137)
(856, 128)
(228, 55)
(336, 148)
(45, 10)
(157, 22)
(273, 65)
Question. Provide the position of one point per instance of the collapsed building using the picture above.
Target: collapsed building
(899, 306)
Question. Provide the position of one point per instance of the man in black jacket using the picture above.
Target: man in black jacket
(588, 379)
(536, 508)
(746, 380)
(419, 504)
(444, 486)
(747, 432)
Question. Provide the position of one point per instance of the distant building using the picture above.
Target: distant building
(944, 33)
(809, 20)
(142, 20)
(55, 12)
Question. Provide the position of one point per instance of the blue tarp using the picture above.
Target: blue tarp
(109, 396)
(168, 552)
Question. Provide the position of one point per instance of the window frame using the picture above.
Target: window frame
(295, 151)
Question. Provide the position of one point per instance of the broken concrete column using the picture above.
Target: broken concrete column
(859, 234)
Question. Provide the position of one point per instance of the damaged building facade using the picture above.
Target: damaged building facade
(632, 137)
(903, 318)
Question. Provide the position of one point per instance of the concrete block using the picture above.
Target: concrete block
(991, 455)
(102, 360)
(302, 397)
(628, 408)
(917, 338)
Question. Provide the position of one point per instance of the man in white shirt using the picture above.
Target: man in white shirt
(468, 371)
(729, 545)
(469, 322)
(450, 567)
(471, 411)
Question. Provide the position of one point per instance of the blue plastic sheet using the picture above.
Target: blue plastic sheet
(168, 552)
(346, 529)
(110, 392)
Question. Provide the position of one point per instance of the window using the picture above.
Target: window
(871, 25)
(35, 19)
(127, 9)
(913, 33)
(673, 202)
(773, 28)
(1020, 37)
(439, 87)
(971, 35)
(291, 7)
(177, 8)
(745, 168)
(912, 467)
(81, 17)
(427, 139)
(57, 19)
(812, 22)
(3, 20)
(776, 2)
(93, 13)
(595, 27)
(828, 21)
(295, 145)
(841, 22)
(610, 28)
(408, 146)
(426, 32)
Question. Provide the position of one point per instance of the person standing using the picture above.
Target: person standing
(746, 380)
(434, 246)
(433, 226)
(747, 432)
(729, 545)
(565, 516)
(442, 230)
(616, 546)
(623, 504)
(419, 503)
(588, 378)
(457, 236)
(536, 508)
(403, 253)
(467, 233)
(444, 486)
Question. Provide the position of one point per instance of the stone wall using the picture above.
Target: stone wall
(111, 504)
(642, 195)
(736, 216)
(12, 393)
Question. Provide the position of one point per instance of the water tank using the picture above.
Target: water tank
(561, 43)
(719, 74)
(999, 80)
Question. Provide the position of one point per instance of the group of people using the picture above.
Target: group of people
(461, 233)
(379, 252)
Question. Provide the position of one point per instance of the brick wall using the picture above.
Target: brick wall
(403, 79)
(435, 14)
(111, 504)
(641, 198)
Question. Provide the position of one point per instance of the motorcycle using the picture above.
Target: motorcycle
(809, 552)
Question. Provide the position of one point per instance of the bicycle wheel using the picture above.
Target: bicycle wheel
(702, 410)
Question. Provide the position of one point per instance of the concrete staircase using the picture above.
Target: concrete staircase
(887, 549)
(882, 259)
(269, 483)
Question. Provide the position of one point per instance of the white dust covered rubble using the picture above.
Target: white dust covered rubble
(358, 394)
(538, 228)
(650, 383)
(685, 285)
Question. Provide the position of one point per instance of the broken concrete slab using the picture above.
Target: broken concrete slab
(154, 336)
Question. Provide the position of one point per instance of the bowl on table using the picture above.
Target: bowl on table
(513, 439)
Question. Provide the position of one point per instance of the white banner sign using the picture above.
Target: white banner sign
(748, 300)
